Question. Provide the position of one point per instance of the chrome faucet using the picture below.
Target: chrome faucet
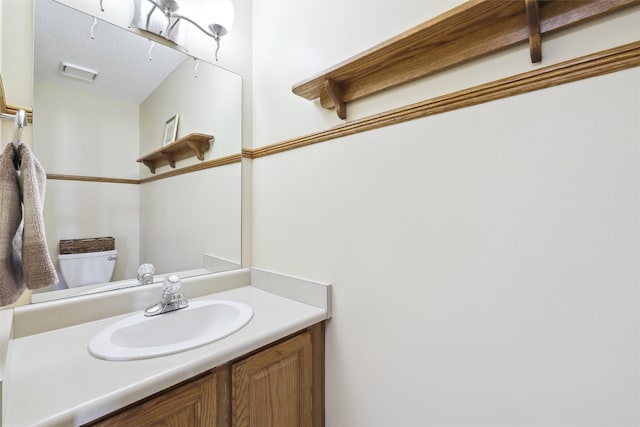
(145, 274)
(171, 300)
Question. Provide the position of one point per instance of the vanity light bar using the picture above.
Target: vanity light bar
(78, 72)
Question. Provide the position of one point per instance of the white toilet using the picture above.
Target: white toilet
(88, 268)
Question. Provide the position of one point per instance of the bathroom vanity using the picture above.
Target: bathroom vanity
(271, 369)
(279, 385)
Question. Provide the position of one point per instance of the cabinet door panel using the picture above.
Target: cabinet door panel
(193, 404)
(273, 388)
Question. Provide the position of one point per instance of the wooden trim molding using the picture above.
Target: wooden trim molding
(604, 62)
(61, 177)
(222, 161)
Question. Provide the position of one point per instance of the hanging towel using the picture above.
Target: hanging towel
(38, 269)
(11, 278)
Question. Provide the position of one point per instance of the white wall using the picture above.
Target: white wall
(484, 261)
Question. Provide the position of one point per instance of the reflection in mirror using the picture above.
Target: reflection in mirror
(88, 135)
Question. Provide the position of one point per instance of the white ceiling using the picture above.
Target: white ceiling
(120, 56)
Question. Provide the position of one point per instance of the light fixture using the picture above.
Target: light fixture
(161, 17)
(78, 72)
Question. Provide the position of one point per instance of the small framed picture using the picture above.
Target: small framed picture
(170, 130)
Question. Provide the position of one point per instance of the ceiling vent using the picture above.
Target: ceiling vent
(78, 72)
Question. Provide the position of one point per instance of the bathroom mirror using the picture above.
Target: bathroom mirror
(89, 132)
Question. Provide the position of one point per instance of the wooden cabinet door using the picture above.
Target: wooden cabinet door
(273, 388)
(202, 402)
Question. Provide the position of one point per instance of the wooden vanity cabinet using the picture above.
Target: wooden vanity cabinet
(279, 385)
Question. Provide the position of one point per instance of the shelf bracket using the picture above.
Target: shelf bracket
(335, 93)
(170, 159)
(151, 165)
(533, 20)
(198, 148)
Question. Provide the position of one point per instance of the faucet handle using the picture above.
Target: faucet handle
(146, 271)
(172, 285)
(171, 300)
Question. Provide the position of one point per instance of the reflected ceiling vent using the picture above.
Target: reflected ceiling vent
(78, 72)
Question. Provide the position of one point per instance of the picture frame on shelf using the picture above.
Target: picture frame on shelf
(170, 130)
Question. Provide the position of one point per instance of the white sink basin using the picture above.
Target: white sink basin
(141, 337)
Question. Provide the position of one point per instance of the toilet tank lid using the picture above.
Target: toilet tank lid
(88, 254)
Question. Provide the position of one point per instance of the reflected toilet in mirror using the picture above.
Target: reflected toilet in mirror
(87, 261)
(88, 268)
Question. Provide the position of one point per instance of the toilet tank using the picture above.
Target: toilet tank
(87, 268)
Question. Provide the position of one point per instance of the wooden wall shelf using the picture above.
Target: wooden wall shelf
(472, 30)
(194, 144)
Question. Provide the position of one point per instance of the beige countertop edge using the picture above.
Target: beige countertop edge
(72, 387)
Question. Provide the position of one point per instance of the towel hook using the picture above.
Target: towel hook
(19, 123)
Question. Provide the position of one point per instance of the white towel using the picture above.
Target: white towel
(39, 271)
(11, 278)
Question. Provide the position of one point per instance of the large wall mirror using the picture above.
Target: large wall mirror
(88, 136)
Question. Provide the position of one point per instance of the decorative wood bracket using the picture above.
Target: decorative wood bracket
(194, 144)
(150, 164)
(335, 93)
(169, 158)
(533, 21)
(199, 148)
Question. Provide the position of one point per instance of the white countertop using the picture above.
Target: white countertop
(52, 380)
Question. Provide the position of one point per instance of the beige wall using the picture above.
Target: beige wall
(484, 261)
